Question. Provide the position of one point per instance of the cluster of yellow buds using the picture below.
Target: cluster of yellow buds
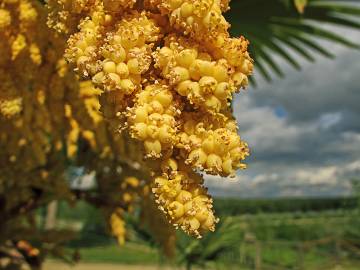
(193, 72)
(19, 48)
(10, 107)
(114, 58)
(152, 119)
(31, 79)
(167, 71)
(48, 119)
(117, 225)
(196, 16)
(61, 13)
(212, 145)
(181, 196)
(129, 187)
(17, 20)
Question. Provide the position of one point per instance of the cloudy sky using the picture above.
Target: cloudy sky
(303, 130)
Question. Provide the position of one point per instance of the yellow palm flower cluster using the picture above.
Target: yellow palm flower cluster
(34, 79)
(152, 119)
(194, 74)
(118, 226)
(168, 70)
(212, 144)
(20, 51)
(196, 17)
(181, 196)
(49, 120)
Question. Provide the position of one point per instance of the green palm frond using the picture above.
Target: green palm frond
(280, 27)
(211, 247)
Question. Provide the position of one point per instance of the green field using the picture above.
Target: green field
(130, 253)
(314, 237)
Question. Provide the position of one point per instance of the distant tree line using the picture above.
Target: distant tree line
(233, 207)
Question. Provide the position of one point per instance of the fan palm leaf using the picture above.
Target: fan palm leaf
(277, 28)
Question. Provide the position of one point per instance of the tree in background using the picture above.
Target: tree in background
(51, 120)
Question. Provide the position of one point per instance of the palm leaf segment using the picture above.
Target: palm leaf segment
(280, 26)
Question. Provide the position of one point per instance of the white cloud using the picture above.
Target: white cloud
(300, 181)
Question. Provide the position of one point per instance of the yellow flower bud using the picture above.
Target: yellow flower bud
(152, 131)
(213, 104)
(198, 157)
(109, 67)
(165, 54)
(133, 66)
(184, 196)
(202, 214)
(239, 79)
(164, 135)
(140, 131)
(179, 74)
(5, 19)
(222, 90)
(209, 222)
(220, 73)
(174, 4)
(176, 210)
(201, 68)
(153, 147)
(186, 9)
(207, 84)
(227, 166)
(165, 98)
(115, 78)
(127, 86)
(186, 57)
(183, 88)
(194, 224)
(214, 162)
(122, 70)
(156, 107)
(141, 115)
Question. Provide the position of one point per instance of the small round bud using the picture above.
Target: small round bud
(184, 196)
(186, 9)
(176, 210)
(140, 130)
(109, 67)
(127, 86)
(198, 157)
(183, 88)
(133, 66)
(152, 147)
(123, 70)
(141, 115)
(194, 224)
(179, 74)
(214, 162)
(222, 90)
(186, 57)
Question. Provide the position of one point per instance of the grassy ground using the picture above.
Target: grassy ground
(134, 256)
(53, 265)
(130, 253)
(280, 241)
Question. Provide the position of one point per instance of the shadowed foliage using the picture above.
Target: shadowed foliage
(281, 27)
